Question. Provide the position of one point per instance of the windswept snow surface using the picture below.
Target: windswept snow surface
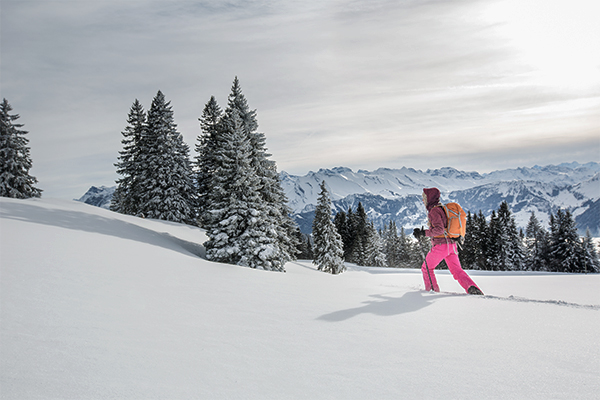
(96, 305)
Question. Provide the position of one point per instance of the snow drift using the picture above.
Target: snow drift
(97, 305)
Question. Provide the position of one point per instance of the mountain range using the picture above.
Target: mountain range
(395, 194)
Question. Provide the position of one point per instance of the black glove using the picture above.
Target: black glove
(418, 233)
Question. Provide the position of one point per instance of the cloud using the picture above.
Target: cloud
(358, 83)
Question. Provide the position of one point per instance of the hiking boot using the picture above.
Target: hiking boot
(474, 290)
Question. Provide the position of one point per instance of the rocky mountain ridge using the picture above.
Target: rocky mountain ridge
(395, 194)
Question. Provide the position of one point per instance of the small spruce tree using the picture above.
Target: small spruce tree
(591, 261)
(166, 182)
(566, 249)
(374, 255)
(358, 254)
(536, 239)
(15, 158)
(126, 198)
(206, 149)
(328, 247)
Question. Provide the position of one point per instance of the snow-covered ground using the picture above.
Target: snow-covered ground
(96, 305)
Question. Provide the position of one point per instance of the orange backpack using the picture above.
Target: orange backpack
(457, 220)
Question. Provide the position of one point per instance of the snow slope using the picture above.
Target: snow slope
(96, 305)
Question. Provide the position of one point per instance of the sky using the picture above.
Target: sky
(477, 85)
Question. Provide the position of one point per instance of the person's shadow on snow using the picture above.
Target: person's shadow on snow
(386, 306)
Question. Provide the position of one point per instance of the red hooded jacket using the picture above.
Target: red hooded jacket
(436, 216)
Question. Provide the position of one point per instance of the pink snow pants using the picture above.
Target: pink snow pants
(446, 252)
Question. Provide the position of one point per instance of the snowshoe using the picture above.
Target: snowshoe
(474, 290)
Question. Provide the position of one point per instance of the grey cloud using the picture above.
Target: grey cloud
(356, 83)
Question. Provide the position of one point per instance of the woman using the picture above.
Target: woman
(444, 248)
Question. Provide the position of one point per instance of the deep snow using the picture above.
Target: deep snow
(96, 305)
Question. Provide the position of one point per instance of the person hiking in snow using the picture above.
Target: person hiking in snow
(443, 247)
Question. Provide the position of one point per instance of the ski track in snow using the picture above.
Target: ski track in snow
(554, 302)
(526, 300)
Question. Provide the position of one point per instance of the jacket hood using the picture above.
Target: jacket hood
(433, 197)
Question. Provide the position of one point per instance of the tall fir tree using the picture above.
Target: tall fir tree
(126, 198)
(167, 188)
(407, 251)
(591, 261)
(349, 235)
(238, 222)
(536, 245)
(566, 249)
(481, 238)
(270, 187)
(494, 244)
(390, 244)
(328, 247)
(358, 254)
(510, 251)
(470, 247)
(15, 158)
(374, 255)
(207, 145)
(305, 249)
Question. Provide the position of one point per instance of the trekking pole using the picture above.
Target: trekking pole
(426, 266)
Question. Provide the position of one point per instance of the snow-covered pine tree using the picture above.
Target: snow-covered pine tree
(166, 178)
(494, 244)
(390, 244)
(374, 255)
(15, 158)
(327, 248)
(266, 170)
(510, 247)
(305, 248)
(341, 225)
(470, 247)
(566, 250)
(344, 225)
(238, 222)
(481, 240)
(359, 224)
(591, 261)
(207, 145)
(406, 251)
(536, 245)
(126, 198)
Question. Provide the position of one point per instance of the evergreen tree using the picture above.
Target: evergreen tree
(328, 248)
(408, 256)
(481, 238)
(565, 248)
(126, 198)
(207, 145)
(391, 244)
(536, 245)
(591, 261)
(345, 224)
(374, 255)
(470, 247)
(349, 235)
(15, 158)
(493, 253)
(510, 251)
(166, 182)
(305, 249)
(358, 253)
(270, 187)
(239, 226)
